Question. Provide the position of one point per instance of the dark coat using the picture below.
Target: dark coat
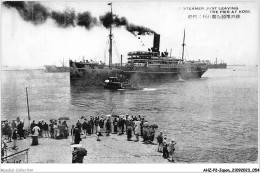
(165, 151)
(45, 126)
(76, 133)
(20, 129)
(101, 123)
(40, 125)
(129, 132)
(91, 122)
(120, 122)
(79, 125)
(84, 125)
(96, 122)
(123, 123)
(108, 125)
(88, 128)
(159, 139)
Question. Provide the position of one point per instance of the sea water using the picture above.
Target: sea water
(213, 119)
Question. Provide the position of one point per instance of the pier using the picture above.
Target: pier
(111, 149)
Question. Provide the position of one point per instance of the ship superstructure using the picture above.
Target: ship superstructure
(141, 66)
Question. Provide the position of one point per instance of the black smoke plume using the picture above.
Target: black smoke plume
(86, 20)
(117, 21)
(37, 14)
(106, 20)
(30, 11)
(15, 4)
(64, 19)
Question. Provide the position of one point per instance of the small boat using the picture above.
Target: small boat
(114, 83)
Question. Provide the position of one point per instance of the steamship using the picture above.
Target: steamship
(56, 69)
(220, 65)
(141, 66)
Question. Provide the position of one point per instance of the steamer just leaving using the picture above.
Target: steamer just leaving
(151, 65)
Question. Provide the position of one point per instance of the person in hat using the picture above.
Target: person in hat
(60, 130)
(56, 130)
(96, 122)
(65, 129)
(172, 149)
(20, 129)
(51, 128)
(129, 132)
(77, 137)
(108, 126)
(89, 129)
(127, 122)
(165, 150)
(160, 142)
(45, 128)
(101, 124)
(115, 123)
(122, 125)
(33, 124)
(84, 126)
(40, 126)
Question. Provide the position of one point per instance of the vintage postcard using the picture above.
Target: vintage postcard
(129, 86)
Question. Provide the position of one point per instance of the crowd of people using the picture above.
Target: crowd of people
(13, 131)
(133, 126)
(55, 129)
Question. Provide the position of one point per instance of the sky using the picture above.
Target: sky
(234, 41)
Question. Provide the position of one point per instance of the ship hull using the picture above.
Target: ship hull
(143, 77)
(55, 69)
(95, 77)
(91, 77)
(221, 66)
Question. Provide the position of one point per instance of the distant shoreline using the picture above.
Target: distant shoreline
(22, 69)
(236, 65)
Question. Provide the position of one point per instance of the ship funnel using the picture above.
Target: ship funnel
(156, 43)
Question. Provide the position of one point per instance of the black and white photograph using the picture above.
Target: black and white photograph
(138, 85)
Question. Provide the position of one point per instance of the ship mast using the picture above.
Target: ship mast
(110, 38)
(183, 44)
